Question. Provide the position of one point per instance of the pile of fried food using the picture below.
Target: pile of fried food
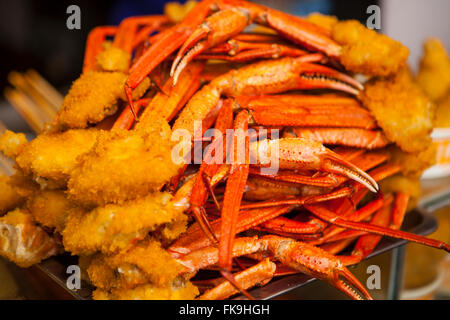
(101, 182)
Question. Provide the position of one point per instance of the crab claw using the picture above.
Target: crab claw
(216, 29)
(314, 76)
(315, 262)
(300, 153)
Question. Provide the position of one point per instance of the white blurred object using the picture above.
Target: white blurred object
(412, 21)
(441, 138)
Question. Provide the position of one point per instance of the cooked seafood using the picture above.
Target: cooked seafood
(104, 178)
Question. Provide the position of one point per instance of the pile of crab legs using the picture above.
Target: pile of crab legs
(327, 185)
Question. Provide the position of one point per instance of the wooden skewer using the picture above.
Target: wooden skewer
(27, 108)
(45, 88)
(6, 164)
(46, 110)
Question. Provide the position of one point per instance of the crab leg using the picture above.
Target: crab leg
(274, 76)
(234, 16)
(351, 137)
(298, 153)
(199, 194)
(168, 41)
(94, 45)
(259, 274)
(330, 217)
(233, 197)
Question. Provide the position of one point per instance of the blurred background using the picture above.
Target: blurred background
(33, 34)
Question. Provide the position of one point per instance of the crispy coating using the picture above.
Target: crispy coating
(442, 118)
(12, 143)
(401, 109)
(434, 72)
(9, 197)
(113, 59)
(50, 208)
(324, 21)
(176, 11)
(406, 184)
(91, 98)
(124, 165)
(145, 263)
(112, 228)
(183, 290)
(53, 156)
(23, 242)
(368, 52)
(413, 164)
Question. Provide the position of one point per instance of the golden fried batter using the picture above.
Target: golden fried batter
(112, 228)
(12, 143)
(113, 59)
(434, 72)
(50, 208)
(413, 164)
(400, 183)
(23, 242)
(145, 263)
(91, 98)
(401, 109)
(53, 156)
(184, 290)
(368, 52)
(442, 118)
(9, 197)
(124, 165)
(324, 21)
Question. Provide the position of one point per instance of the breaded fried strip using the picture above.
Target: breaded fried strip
(23, 242)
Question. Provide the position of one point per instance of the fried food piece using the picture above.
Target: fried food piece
(434, 72)
(401, 109)
(9, 198)
(113, 228)
(12, 143)
(406, 184)
(23, 242)
(177, 11)
(91, 98)
(368, 52)
(53, 156)
(23, 184)
(182, 290)
(147, 262)
(94, 96)
(413, 164)
(113, 59)
(442, 118)
(124, 165)
(50, 208)
(324, 21)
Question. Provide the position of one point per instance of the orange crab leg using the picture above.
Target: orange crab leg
(365, 244)
(399, 210)
(234, 16)
(168, 41)
(94, 45)
(126, 118)
(351, 137)
(298, 153)
(357, 215)
(330, 217)
(259, 274)
(128, 29)
(234, 191)
(224, 121)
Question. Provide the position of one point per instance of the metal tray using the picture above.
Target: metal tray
(418, 221)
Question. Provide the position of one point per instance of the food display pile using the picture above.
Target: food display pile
(221, 145)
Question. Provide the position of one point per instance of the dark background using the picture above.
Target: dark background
(34, 34)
